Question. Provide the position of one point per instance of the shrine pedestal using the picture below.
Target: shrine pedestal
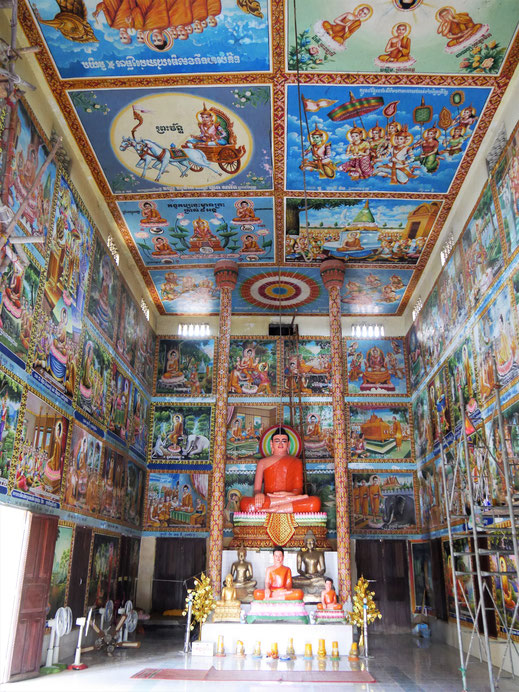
(263, 530)
(280, 633)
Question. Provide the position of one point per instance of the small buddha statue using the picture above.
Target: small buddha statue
(329, 597)
(229, 607)
(278, 581)
(311, 567)
(241, 571)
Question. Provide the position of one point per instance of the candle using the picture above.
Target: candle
(321, 652)
(335, 650)
(308, 650)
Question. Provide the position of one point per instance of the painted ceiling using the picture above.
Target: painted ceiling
(277, 134)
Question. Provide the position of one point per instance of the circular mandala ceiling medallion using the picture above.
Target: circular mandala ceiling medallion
(288, 291)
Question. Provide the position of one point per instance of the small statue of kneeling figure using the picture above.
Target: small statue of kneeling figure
(329, 597)
(228, 608)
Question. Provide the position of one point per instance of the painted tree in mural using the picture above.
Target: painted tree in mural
(297, 205)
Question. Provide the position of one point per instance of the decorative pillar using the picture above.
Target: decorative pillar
(332, 273)
(225, 274)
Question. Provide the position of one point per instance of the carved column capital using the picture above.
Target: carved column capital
(332, 273)
(226, 273)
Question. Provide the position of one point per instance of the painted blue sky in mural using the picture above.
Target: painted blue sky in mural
(185, 138)
(187, 292)
(170, 232)
(348, 152)
(117, 43)
(372, 291)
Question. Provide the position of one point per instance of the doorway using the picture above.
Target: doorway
(176, 559)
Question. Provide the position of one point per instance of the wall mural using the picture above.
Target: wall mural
(401, 36)
(315, 422)
(139, 429)
(440, 410)
(26, 151)
(245, 425)
(506, 590)
(511, 422)
(60, 569)
(173, 232)
(464, 583)
(56, 351)
(176, 500)
(184, 367)
(105, 285)
(187, 292)
(19, 285)
(379, 138)
(309, 371)
(94, 379)
(181, 433)
(451, 296)
(135, 489)
(423, 439)
(103, 570)
(376, 366)
(118, 415)
(116, 39)
(358, 230)
(36, 476)
(430, 490)
(383, 501)
(253, 367)
(507, 181)
(380, 432)
(113, 484)
(421, 578)
(83, 483)
(461, 375)
(181, 139)
(11, 392)
(374, 290)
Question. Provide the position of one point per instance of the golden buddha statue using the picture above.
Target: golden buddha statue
(311, 567)
(241, 572)
(229, 607)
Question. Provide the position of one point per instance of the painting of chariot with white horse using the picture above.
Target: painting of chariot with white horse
(198, 138)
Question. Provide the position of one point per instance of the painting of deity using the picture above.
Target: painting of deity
(315, 422)
(423, 439)
(177, 499)
(452, 302)
(483, 254)
(181, 138)
(415, 348)
(105, 285)
(461, 373)
(56, 350)
(60, 567)
(26, 152)
(18, 292)
(144, 350)
(94, 379)
(495, 464)
(185, 367)
(136, 479)
(127, 328)
(140, 411)
(181, 433)
(118, 415)
(379, 432)
(376, 138)
(191, 292)
(41, 455)
(357, 230)
(117, 39)
(506, 588)
(374, 290)
(422, 592)
(383, 502)
(429, 488)
(495, 335)
(397, 37)
(507, 181)
(309, 371)
(83, 477)
(103, 570)
(246, 424)
(10, 399)
(440, 410)
(253, 367)
(172, 232)
(113, 484)
(464, 582)
(432, 336)
(376, 366)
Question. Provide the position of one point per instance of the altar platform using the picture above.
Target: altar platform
(268, 633)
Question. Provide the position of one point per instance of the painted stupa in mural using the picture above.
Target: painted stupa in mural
(358, 239)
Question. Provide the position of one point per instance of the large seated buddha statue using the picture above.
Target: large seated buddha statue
(278, 484)
(278, 581)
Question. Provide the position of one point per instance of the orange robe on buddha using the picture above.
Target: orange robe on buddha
(285, 475)
(279, 580)
(330, 601)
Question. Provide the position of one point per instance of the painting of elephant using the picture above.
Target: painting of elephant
(398, 511)
(383, 501)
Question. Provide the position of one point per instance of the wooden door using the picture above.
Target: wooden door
(34, 597)
(176, 559)
(128, 569)
(79, 571)
(385, 562)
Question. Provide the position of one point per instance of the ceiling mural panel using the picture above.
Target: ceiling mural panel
(87, 38)
(201, 230)
(358, 230)
(207, 142)
(189, 138)
(402, 36)
(379, 138)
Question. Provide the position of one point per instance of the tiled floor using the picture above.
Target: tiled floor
(401, 662)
